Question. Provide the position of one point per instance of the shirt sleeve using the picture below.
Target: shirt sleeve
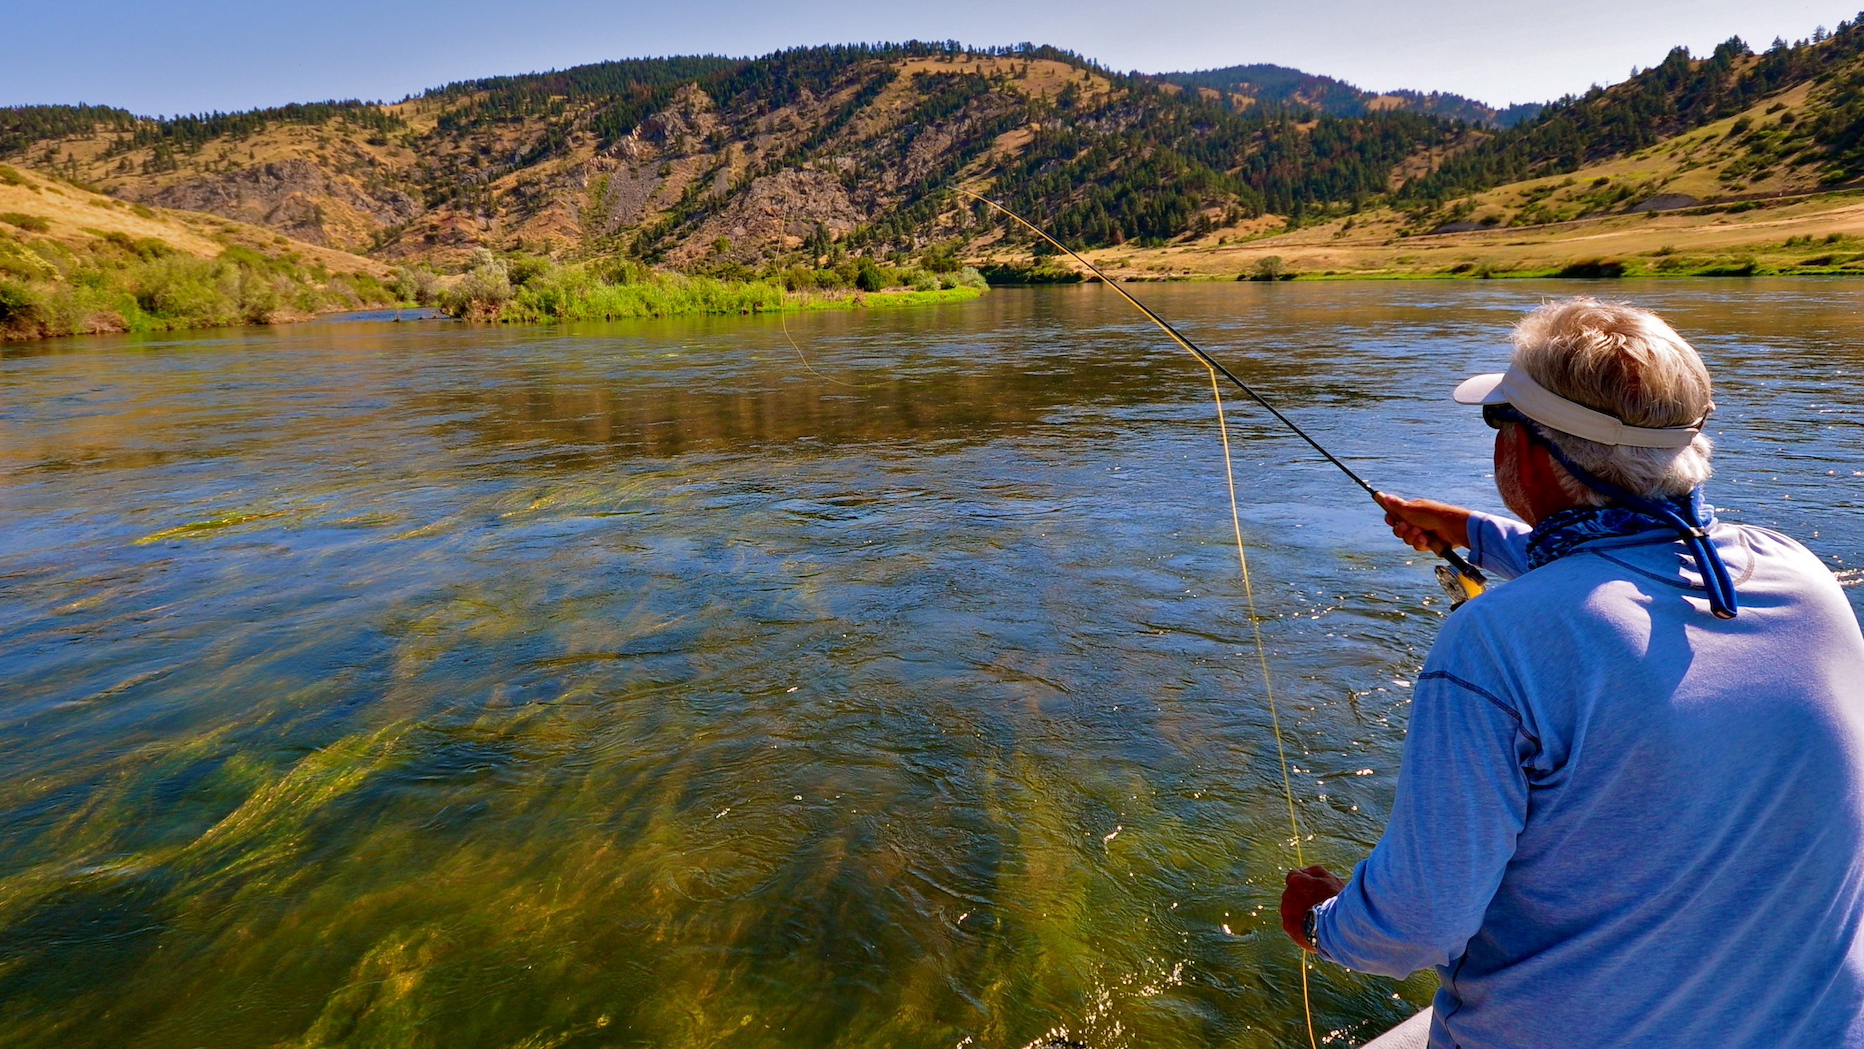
(1461, 803)
(1498, 544)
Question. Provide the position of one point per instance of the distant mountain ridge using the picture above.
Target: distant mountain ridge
(1265, 84)
(696, 159)
(729, 165)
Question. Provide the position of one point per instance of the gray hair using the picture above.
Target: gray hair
(1626, 362)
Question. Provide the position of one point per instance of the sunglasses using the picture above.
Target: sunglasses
(1497, 414)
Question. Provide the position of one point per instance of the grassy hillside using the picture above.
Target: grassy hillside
(1800, 109)
(1739, 163)
(75, 260)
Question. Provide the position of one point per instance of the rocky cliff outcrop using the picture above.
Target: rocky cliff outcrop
(296, 197)
(775, 213)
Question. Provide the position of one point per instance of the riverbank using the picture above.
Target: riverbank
(172, 292)
(1811, 235)
(118, 290)
(524, 290)
(672, 295)
(74, 261)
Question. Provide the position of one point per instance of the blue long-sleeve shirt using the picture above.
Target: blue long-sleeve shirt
(1621, 821)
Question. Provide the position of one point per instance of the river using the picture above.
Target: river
(850, 679)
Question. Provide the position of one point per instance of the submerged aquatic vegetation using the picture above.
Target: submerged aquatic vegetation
(496, 686)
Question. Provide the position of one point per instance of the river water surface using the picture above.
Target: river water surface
(666, 684)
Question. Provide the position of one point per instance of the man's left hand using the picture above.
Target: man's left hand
(1306, 887)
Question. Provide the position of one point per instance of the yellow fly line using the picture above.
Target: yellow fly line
(1268, 686)
(785, 325)
(1242, 560)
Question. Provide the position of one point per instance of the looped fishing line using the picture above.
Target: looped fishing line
(812, 369)
(1242, 555)
(1268, 685)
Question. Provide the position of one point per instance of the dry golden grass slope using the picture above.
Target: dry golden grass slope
(83, 219)
(73, 260)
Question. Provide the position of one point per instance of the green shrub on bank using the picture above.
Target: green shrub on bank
(29, 223)
(132, 285)
(21, 262)
(529, 290)
(482, 291)
(416, 284)
(569, 294)
(1042, 272)
(18, 302)
(1740, 266)
(1593, 269)
(968, 277)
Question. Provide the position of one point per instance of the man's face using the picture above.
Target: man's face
(1508, 442)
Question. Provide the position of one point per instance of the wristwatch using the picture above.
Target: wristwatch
(1307, 928)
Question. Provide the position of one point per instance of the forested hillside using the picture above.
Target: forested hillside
(688, 159)
(1682, 93)
(1262, 84)
(722, 165)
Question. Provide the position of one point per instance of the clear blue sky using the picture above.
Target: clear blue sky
(197, 55)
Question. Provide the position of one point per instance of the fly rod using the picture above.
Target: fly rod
(1460, 578)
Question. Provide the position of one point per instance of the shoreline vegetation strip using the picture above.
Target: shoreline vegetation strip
(144, 287)
(148, 290)
(560, 293)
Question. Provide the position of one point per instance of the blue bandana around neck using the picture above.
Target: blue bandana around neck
(1557, 534)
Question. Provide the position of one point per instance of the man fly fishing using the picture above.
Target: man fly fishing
(1631, 807)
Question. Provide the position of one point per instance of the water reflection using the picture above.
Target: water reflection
(651, 683)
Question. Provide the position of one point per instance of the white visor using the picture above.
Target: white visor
(1550, 409)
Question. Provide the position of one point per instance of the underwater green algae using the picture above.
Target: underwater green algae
(411, 685)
